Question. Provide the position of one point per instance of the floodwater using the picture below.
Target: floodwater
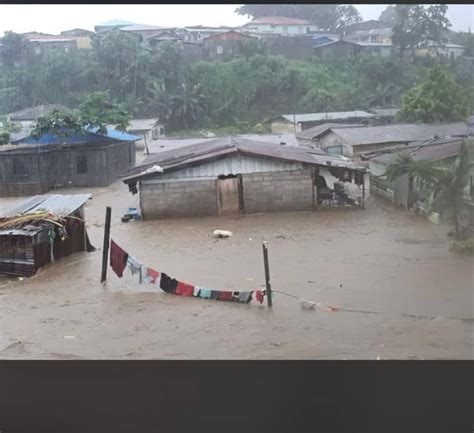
(401, 294)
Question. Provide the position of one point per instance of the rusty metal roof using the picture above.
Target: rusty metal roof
(55, 203)
(223, 146)
(316, 131)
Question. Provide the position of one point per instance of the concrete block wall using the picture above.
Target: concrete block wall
(175, 199)
(278, 191)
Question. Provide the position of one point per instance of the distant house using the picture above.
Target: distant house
(382, 36)
(53, 43)
(198, 33)
(309, 137)
(112, 24)
(337, 49)
(82, 36)
(404, 192)
(147, 129)
(281, 25)
(374, 49)
(451, 51)
(234, 175)
(367, 26)
(351, 142)
(293, 123)
(224, 44)
(383, 116)
(145, 31)
(33, 166)
(29, 247)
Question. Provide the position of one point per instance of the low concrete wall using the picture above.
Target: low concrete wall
(278, 192)
(176, 199)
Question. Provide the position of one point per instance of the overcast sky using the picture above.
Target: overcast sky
(50, 18)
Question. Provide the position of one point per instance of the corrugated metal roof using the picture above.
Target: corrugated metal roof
(164, 144)
(316, 131)
(316, 117)
(398, 133)
(385, 111)
(143, 27)
(58, 204)
(142, 124)
(279, 20)
(219, 147)
(90, 135)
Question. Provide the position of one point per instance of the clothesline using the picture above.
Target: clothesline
(120, 259)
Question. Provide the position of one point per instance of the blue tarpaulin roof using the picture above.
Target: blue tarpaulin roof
(89, 136)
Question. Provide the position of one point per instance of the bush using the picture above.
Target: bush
(462, 247)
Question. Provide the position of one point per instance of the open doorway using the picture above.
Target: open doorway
(229, 195)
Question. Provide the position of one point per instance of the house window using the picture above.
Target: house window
(334, 150)
(220, 50)
(308, 29)
(81, 164)
(20, 168)
(285, 29)
(300, 29)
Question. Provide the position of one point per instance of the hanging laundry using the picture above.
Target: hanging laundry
(168, 284)
(245, 297)
(118, 258)
(183, 289)
(196, 292)
(225, 296)
(152, 277)
(204, 293)
(135, 267)
(259, 294)
(215, 295)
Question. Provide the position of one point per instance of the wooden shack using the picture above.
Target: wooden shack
(38, 240)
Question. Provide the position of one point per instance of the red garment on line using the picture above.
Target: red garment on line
(118, 258)
(260, 296)
(183, 289)
(225, 296)
(152, 275)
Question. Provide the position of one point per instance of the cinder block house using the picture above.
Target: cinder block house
(233, 175)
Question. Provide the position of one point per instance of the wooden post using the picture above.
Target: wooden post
(267, 276)
(363, 191)
(105, 253)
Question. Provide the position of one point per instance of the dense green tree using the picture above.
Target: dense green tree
(388, 15)
(14, 48)
(444, 184)
(438, 99)
(419, 26)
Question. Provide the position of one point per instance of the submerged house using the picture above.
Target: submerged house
(294, 123)
(234, 175)
(27, 246)
(351, 142)
(148, 129)
(33, 166)
(404, 192)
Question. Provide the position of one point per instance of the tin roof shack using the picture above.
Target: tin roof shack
(310, 136)
(384, 116)
(87, 159)
(294, 123)
(40, 230)
(234, 175)
(352, 142)
(337, 49)
(147, 129)
(404, 192)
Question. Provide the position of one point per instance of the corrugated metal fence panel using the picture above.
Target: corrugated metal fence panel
(237, 164)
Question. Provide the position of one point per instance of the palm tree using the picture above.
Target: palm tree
(445, 184)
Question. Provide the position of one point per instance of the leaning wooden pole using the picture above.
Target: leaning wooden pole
(267, 276)
(105, 251)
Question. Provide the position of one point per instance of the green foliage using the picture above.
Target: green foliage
(463, 247)
(388, 15)
(6, 129)
(418, 26)
(444, 184)
(96, 111)
(438, 99)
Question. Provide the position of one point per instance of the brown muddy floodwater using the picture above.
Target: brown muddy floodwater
(411, 298)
